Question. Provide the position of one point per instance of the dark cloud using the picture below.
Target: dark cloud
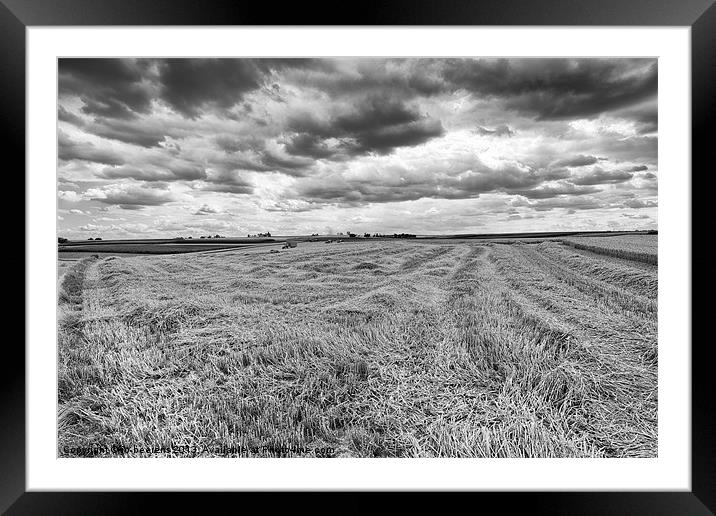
(599, 176)
(286, 164)
(645, 116)
(552, 174)
(251, 154)
(478, 179)
(484, 179)
(576, 161)
(65, 115)
(136, 135)
(243, 143)
(231, 188)
(68, 150)
(375, 113)
(500, 130)
(170, 172)
(112, 88)
(187, 171)
(277, 64)
(226, 181)
(130, 172)
(406, 78)
(309, 145)
(128, 196)
(553, 89)
(376, 124)
(252, 161)
(191, 86)
(384, 140)
(549, 191)
(356, 194)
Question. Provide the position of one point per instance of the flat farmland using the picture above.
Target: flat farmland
(373, 349)
(643, 248)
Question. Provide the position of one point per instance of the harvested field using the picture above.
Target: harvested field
(641, 248)
(378, 349)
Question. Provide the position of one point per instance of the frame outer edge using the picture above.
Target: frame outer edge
(12, 103)
(12, 380)
(368, 12)
(703, 112)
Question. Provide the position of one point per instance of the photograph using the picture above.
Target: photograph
(357, 257)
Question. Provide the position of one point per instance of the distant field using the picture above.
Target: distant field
(149, 248)
(222, 241)
(160, 246)
(401, 348)
(642, 248)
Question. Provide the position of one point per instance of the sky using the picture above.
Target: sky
(153, 148)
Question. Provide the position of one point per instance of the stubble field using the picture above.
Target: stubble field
(367, 349)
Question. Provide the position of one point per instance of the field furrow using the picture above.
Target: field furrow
(616, 346)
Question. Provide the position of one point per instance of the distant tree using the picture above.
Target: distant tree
(189, 238)
(61, 240)
(98, 238)
(217, 236)
(90, 238)
(366, 235)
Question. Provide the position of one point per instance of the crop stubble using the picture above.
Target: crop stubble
(369, 349)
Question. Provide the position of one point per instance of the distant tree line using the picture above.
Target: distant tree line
(207, 236)
(267, 234)
(62, 240)
(394, 235)
(380, 235)
(374, 235)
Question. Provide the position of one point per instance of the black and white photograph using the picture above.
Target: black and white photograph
(357, 257)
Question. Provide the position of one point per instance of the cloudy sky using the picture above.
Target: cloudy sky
(179, 147)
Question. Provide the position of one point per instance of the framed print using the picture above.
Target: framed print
(441, 249)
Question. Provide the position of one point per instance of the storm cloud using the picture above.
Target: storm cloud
(131, 195)
(557, 88)
(305, 144)
(68, 150)
(193, 85)
(374, 124)
(114, 88)
(599, 176)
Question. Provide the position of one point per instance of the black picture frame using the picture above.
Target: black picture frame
(700, 15)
